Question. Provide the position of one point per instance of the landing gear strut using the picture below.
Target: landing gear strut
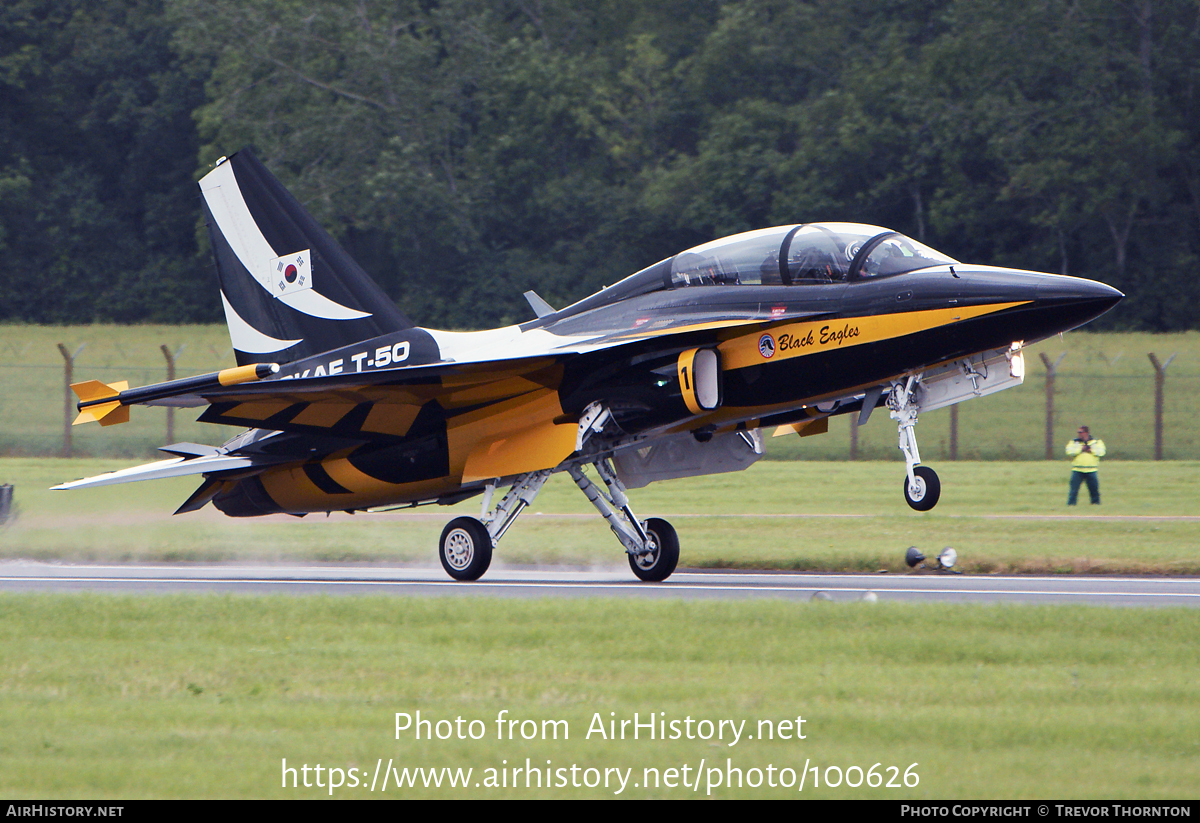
(466, 545)
(921, 485)
(652, 545)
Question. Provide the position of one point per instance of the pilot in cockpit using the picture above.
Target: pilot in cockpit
(813, 258)
(813, 265)
(769, 270)
(887, 258)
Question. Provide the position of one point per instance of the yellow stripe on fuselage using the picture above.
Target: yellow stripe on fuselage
(790, 340)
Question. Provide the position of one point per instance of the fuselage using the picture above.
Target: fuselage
(821, 327)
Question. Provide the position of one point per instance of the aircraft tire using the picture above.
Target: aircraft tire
(465, 548)
(929, 489)
(657, 567)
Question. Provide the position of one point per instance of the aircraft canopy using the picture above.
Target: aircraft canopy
(811, 253)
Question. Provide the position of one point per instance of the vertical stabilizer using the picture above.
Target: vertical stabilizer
(289, 290)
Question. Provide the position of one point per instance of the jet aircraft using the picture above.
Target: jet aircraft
(672, 372)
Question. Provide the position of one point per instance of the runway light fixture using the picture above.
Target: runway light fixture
(947, 558)
(943, 563)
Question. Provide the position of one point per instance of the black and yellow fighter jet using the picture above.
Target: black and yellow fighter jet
(672, 372)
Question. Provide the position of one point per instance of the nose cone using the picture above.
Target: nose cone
(1042, 305)
(1069, 302)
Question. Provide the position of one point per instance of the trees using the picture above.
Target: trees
(1081, 128)
(467, 150)
(96, 147)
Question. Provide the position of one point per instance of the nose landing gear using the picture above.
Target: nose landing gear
(921, 485)
(922, 491)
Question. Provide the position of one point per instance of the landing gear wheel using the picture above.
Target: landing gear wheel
(658, 564)
(465, 549)
(924, 493)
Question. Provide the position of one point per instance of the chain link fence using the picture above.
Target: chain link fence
(1107, 382)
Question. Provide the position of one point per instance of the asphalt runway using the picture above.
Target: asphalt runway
(927, 586)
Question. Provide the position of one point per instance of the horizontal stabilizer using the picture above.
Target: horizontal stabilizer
(177, 467)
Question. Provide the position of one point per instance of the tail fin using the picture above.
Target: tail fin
(288, 288)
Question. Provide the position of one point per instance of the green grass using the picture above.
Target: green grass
(204, 696)
(1105, 380)
(31, 371)
(1001, 517)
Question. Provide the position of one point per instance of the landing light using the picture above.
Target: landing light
(1016, 360)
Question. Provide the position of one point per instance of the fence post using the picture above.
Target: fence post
(171, 376)
(954, 432)
(68, 376)
(1051, 372)
(1160, 379)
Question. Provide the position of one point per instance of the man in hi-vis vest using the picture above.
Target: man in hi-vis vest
(1086, 451)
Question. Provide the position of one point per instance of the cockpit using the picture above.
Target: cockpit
(808, 254)
(812, 253)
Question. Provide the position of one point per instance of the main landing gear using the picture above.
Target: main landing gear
(466, 545)
(652, 545)
(921, 485)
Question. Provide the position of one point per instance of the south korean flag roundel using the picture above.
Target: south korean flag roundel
(291, 273)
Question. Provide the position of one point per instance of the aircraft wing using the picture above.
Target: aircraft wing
(383, 403)
(504, 413)
(378, 404)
